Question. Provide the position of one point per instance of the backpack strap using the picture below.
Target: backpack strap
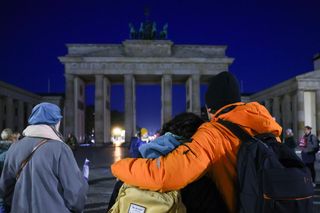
(236, 129)
(28, 158)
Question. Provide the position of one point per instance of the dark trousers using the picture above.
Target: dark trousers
(313, 172)
(115, 193)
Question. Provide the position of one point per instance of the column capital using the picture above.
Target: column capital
(128, 76)
(276, 98)
(166, 76)
(98, 75)
(69, 76)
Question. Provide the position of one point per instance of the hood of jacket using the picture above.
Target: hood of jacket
(252, 117)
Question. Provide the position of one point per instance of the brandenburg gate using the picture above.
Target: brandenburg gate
(134, 62)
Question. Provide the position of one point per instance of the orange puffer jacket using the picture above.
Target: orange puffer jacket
(212, 151)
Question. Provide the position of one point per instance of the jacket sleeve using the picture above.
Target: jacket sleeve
(172, 172)
(74, 185)
(7, 182)
(314, 141)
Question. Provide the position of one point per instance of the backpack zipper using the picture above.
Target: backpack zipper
(297, 198)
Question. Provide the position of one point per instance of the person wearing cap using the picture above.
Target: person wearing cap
(144, 135)
(51, 180)
(136, 142)
(212, 151)
(308, 153)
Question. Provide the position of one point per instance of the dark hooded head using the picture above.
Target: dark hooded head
(223, 89)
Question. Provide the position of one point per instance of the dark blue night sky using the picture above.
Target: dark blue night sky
(271, 41)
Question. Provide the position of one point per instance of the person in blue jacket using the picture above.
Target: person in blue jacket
(136, 142)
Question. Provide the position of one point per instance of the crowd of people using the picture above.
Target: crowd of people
(195, 158)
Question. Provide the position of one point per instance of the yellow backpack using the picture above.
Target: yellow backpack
(133, 200)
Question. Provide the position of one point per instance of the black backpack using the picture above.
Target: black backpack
(316, 148)
(271, 177)
(203, 196)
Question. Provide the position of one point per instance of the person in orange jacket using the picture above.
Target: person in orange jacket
(213, 149)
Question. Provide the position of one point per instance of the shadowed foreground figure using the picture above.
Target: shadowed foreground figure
(213, 148)
(51, 180)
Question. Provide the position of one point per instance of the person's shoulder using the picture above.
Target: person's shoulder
(58, 147)
(314, 136)
(56, 143)
(5, 144)
(206, 125)
(207, 128)
(254, 106)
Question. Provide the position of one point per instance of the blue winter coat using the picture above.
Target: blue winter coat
(51, 182)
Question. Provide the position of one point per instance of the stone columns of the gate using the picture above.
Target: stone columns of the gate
(276, 108)
(29, 109)
(129, 95)
(69, 114)
(295, 116)
(193, 94)
(134, 119)
(20, 115)
(267, 104)
(166, 98)
(9, 113)
(102, 110)
(107, 106)
(286, 112)
(318, 111)
(79, 109)
(300, 111)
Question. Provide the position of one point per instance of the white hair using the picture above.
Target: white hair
(289, 132)
(6, 134)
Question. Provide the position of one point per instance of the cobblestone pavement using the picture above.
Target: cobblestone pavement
(101, 180)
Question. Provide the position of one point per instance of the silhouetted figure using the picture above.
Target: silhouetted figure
(72, 142)
(289, 140)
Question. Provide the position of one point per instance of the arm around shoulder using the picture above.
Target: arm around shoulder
(172, 172)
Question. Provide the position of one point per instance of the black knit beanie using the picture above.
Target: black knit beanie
(223, 89)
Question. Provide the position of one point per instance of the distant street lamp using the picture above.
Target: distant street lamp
(118, 135)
